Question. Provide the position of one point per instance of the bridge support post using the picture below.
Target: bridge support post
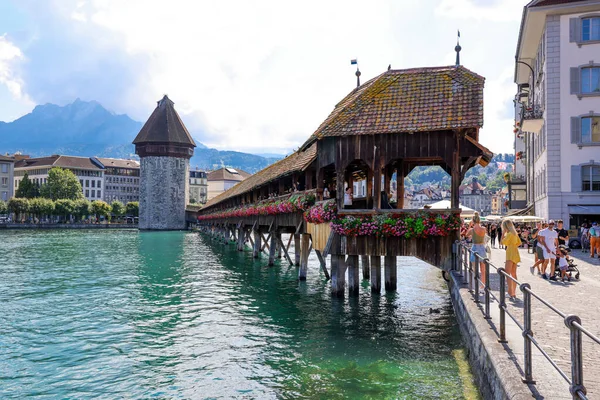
(297, 249)
(272, 248)
(364, 260)
(353, 277)
(278, 246)
(240, 238)
(304, 249)
(257, 244)
(391, 273)
(375, 274)
(338, 275)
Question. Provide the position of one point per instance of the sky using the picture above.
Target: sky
(256, 76)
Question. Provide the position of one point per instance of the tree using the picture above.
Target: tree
(64, 207)
(3, 207)
(18, 206)
(118, 209)
(101, 208)
(83, 208)
(40, 207)
(62, 184)
(133, 209)
(27, 189)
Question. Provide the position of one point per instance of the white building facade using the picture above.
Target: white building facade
(6, 178)
(558, 98)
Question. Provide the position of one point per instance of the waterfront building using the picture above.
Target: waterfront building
(223, 179)
(425, 196)
(475, 196)
(557, 73)
(198, 187)
(89, 171)
(165, 148)
(121, 178)
(7, 170)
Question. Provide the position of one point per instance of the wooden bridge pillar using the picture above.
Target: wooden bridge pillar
(304, 249)
(364, 260)
(272, 248)
(257, 244)
(297, 249)
(278, 246)
(353, 276)
(391, 273)
(375, 274)
(338, 275)
(240, 238)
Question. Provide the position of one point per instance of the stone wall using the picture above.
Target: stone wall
(163, 192)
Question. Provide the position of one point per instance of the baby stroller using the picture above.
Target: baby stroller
(571, 266)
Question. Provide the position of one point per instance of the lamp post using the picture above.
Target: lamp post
(532, 79)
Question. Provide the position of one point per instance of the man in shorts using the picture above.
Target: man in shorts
(548, 238)
(538, 249)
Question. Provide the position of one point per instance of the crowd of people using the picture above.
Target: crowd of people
(549, 242)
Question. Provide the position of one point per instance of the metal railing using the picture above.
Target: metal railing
(472, 277)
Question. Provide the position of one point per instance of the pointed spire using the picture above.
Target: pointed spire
(458, 49)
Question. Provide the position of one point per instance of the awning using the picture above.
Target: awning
(584, 210)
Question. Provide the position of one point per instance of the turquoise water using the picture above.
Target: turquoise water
(122, 314)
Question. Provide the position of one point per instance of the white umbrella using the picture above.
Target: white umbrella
(445, 205)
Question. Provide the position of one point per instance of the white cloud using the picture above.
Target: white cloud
(497, 11)
(10, 55)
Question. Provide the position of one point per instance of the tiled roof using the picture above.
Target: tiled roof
(412, 100)
(6, 158)
(118, 162)
(295, 162)
(164, 126)
(543, 3)
(227, 174)
(57, 161)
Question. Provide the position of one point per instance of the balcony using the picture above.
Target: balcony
(532, 118)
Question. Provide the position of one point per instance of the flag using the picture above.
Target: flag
(459, 33)
(353, 61)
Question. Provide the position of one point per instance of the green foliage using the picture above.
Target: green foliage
(83, 208)
(62, 184)
(18, 206)
(27, 189)
(101, 208)
(117, 208)
(3, 207)
(133, 209)
(64, 207)
(41, 207)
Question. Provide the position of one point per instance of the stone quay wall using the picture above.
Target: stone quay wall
(163, 192)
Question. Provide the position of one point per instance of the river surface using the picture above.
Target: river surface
(123, 314)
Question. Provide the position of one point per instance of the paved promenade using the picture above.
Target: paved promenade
(580, 297)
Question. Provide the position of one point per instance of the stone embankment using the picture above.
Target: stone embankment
(68, 226)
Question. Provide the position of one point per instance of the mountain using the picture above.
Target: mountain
(86, 128)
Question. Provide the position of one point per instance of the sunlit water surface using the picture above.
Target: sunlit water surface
(113, 314)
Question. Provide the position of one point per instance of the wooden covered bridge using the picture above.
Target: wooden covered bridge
(374, 137)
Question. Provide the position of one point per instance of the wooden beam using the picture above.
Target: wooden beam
(285, 252)
(353, 280)
(323, 264)
(272, 248)
(375, 274)
(338, 275)
(297, 248)
(304, 252)
(257, 244)
(364, 260)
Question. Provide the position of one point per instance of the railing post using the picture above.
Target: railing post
(527, 333)
(468, 262)
(487, 288)
(476, 268)
(576, 356)
(465, 264)
(502, 305)
(456, 253)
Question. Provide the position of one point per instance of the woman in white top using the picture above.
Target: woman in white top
(348, 197)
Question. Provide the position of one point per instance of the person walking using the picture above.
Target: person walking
(594, 233)
(493, 233)
(537, 248)
(499, 234)
(511, 241)
(477, 234)
(548, 238)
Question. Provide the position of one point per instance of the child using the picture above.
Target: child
(563, 263)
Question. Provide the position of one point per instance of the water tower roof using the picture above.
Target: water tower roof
(164, 126)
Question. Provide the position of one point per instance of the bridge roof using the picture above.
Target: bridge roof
(295, 162)
(411, 100)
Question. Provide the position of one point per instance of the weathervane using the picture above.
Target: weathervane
(357, 73)
(458, 49)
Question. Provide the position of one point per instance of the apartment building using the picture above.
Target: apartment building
(121, 179)
(88, 170)
(557, 136)
(198, 186)
(222, 179)
(7, 189)
(476, 196)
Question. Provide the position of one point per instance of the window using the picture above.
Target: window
(5, 196)
(590, 29)
(590, 130)
(590, 80)
(99, 193)
(4, 168)
(99, 184)
(87, 183)
(590, 178)
(87, 193)
(4, 181)
(93, 183)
